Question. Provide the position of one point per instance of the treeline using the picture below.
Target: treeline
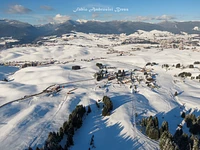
(178, 141)
(69, 127)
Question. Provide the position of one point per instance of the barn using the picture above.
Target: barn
(76, 67)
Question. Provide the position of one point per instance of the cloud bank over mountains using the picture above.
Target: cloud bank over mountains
(155, 18)
(61, 18)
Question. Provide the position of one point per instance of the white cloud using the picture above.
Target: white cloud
(18, 9)
(56, 19)
(154, 18)
(45, 7)
(97, 5)
(95, 15)
(144, 18)
(60, 18)
(165, 17)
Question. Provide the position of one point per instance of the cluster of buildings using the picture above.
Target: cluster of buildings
(181, 44)
(24, 64)
(145, 75)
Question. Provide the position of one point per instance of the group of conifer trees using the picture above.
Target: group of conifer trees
(68, 129)
(178, 141)
(193, 123)
(152, 129)
(108, 106)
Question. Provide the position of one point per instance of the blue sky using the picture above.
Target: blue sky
(44, 11)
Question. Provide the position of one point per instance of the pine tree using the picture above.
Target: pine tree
(166, 142)
(155, 121)
(195, 144)
(61, 132)
(183, 114)
(70, 130)
(97, 104)
(194, 128)
(183, 142)
(65, 127)
(189, 119)
(66, 147)
(105, 111)
(176, 93)
(60, 148)
(149, 126)
(154, 133)
(164, 127)
(89, 110)
(177, 135)
(108, 106)
(37, 148)
(70, 140)
(58, 138)
(144, 122)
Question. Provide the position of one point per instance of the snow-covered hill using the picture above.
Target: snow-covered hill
(27, 123)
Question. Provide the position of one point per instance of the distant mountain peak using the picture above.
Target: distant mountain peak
(27, 32)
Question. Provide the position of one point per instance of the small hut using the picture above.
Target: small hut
(76, 67)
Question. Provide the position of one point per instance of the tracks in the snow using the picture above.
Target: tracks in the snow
(44, 91)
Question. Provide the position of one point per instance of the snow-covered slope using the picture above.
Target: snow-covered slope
(28, 122)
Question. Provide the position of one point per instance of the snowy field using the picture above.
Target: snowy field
(28, 122)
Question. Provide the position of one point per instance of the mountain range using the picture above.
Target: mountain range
(26, 32)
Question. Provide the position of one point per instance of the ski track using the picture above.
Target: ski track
(49, 122)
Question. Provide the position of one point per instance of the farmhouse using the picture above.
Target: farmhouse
(76, 67)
